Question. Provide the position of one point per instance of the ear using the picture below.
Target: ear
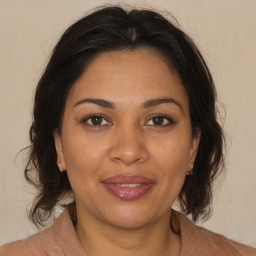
(59, 150)
(194, 148)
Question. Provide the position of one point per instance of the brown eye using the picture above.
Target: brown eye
(158, 120)
(96, 120)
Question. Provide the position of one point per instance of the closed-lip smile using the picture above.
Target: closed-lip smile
(128, 187)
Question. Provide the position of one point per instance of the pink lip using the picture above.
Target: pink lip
(128, 193)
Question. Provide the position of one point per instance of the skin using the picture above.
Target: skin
(128, 140)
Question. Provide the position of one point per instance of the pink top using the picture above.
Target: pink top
(60, 239)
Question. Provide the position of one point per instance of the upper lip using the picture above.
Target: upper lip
(128, 179)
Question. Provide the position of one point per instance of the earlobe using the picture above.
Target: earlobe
(59, 151)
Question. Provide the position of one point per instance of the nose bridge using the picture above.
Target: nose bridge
(129, 145)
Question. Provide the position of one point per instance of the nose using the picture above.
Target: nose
(129, 146)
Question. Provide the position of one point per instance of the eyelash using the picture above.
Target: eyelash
(86, 119)
(166, 118)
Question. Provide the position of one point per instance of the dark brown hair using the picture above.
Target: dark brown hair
(109, 29)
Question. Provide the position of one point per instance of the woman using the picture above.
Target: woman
(125, 124)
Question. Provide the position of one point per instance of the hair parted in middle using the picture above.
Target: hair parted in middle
(110, 29)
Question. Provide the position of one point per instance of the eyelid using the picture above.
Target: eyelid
(86, 118)
(171, 121)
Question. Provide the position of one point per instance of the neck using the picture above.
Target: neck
(99, 238)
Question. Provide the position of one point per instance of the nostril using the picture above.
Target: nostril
(129, 159)
(128, 151)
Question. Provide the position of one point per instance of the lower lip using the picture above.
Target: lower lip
(128, 193)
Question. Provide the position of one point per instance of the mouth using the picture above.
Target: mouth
(128, 187)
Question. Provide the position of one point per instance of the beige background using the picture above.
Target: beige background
(225, 33)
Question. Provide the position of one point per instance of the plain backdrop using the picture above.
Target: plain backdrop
(225, 33)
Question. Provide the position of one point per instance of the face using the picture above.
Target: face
(126, 140)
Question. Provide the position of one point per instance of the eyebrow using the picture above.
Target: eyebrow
(99, 102)
(158, 101)
(148, 104)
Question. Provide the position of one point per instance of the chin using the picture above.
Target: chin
(129, 222)
(129, 217)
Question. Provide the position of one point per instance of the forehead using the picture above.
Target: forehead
(129, 76)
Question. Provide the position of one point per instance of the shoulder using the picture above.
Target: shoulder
(200, 241)
(40, 244)
(29, 246)
(221, 245)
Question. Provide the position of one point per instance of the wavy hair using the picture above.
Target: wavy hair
(109, 29)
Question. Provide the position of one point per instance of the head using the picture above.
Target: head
(117, 37)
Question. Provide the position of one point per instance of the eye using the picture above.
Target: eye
(96, 120)
(160, 120)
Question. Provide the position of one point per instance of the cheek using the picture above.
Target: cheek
(173, 153)
(171, 161)
(83, 162)
(83, 157)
